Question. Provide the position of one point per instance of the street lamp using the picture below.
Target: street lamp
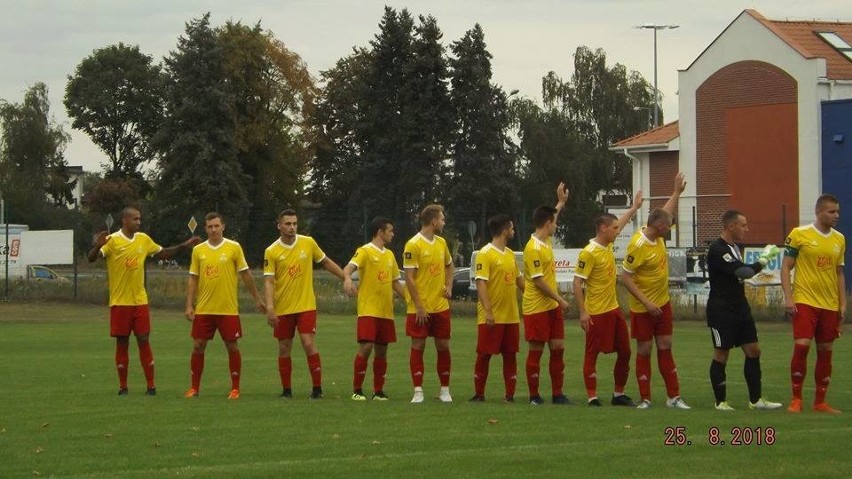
(655, 27)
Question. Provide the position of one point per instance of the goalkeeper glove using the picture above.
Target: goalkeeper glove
(769, 252)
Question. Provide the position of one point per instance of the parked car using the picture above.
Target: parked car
(461, 283)
(43, 273)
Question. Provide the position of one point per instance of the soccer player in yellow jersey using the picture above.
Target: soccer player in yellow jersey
(497, 319)
(125, 252)
(646, 276)
(600, 315)
(379, 280)
(288, 271)
(428, 268)
(211, 300)
(542, 304)
(816, 299)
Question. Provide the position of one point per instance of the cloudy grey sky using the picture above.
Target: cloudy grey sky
(42, 40)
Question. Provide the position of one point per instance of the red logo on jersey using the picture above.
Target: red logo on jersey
(294, 270)
(383, 276)
(508, 278)
(434, 269)
(823, 262)
(211, 271)
(131, 263)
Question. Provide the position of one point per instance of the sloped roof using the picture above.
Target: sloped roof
(802, 36)
(658, 136)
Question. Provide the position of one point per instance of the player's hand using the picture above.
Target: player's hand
(489, 319)
(421, 316)
(447, 293)
(191, 242)
(585, 321)
(271, 318)
(189, 314)
(261, 306)
(349, 287)
(654, 310)
(637, 200)
(100, 238)
(680, 183)
(561, 194)
(789, 307)
(565, 305)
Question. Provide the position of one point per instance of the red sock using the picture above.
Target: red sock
(822, 375)
(235, 365)
(480, 373)
(643, 376)
(557, 368)
(196, 367)
(510, 373)
(621, 370)
(285, 371)
(665, 361)
(445, 363)
(798, 368)
(590, 377)
(533, 368)
(121, 360)
(380, 369)
(146, 357)
(415, 364)
(359, 372)
(315, 368)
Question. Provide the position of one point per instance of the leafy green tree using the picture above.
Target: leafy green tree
(33, 171)
(199, 170)
(116, 97)
(485, 172)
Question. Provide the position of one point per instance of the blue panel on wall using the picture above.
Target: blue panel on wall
(837, 165)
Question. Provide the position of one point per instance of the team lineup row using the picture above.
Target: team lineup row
(815, 300)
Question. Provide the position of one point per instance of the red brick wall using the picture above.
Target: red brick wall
(663, 168)
(742, 84)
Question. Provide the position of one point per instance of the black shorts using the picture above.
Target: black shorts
(732, 334)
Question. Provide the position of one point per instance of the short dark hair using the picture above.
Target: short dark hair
(825, 199)
(287, 212)
(125, 212)
(430, 213)
(378, 224)
(604, 219)
(659, 214)
(498, 223)
(542, 215)
(212, 216)
(730, 216)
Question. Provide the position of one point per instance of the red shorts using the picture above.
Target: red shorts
(437, 326)
(500, 338)
(544, 326)
(206, 325)
(126, 319)
(645, 326)
(816, 323)
(305, 321)
(607, 332)
(376, 330)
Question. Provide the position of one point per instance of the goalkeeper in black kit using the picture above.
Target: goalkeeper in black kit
(728, 312)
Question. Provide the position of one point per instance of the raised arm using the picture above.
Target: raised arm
(561, 197)
(170, 251)
(99, 241)
(679, 187)
(637, 203)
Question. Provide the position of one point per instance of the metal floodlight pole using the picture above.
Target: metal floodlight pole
(655, 27)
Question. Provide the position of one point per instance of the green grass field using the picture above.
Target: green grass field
(60, 416)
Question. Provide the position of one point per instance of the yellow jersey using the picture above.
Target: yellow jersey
(377, 270)
(596, 264)
(429, 260)
(217, 268)
(538, 263)
(293, 270)
(125, 261)
(648, 262)
(498, 269)
(817, 256)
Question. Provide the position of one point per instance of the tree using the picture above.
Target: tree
(116, 97)
(33, 170)
(485, 173)
(568, 137)
(198, 169)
